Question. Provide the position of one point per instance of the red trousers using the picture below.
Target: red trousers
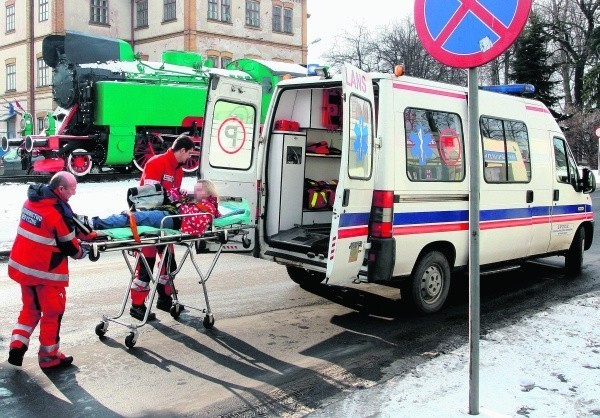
(46, 305)
(140, 287)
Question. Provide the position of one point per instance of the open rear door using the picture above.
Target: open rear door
(230, 140)
(352, 207)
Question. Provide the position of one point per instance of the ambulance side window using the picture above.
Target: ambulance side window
(232, 135)
(434, 146)
(565, 167)
(505, 151)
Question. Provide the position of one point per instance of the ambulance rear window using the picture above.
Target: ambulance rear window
(434, 146)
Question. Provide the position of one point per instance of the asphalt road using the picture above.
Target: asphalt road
(275, 350)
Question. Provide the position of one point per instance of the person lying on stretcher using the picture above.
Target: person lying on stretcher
(205, 203)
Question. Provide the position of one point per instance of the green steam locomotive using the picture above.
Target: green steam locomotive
(116, 110)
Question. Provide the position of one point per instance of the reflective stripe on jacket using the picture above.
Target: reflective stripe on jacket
(163, 169)
(45, 238)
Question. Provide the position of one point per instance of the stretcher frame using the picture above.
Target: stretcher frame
(192, 244)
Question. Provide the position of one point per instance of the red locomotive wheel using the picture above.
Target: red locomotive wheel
(192, 164)
(147, 148)
(79, 162)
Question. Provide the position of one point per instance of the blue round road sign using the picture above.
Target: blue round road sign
(469, 33)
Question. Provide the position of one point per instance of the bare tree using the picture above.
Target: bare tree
(571, 24)
(355, 47)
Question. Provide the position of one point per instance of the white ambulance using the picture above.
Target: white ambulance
(398, 149)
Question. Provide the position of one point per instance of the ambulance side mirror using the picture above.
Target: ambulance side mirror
(588, 181)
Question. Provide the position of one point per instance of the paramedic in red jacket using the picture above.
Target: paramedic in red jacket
(166, 169)
(38, 262)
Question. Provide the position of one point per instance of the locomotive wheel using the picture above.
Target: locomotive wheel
(79, 165)
(192, 164)
(146, 148)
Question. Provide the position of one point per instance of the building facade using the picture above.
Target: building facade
(219, 30)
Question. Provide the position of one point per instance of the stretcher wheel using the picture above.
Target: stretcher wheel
(208, 321)
(246, 242)
(130, 340)
(176, 310)
(223, 237)
(101, 329)
(94, 253)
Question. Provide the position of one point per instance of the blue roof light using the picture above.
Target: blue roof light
(510, 88)
(312, 69)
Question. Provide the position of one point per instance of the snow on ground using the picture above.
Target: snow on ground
(546, 366)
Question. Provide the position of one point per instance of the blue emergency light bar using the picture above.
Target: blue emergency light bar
(316, 69)
(510, 88)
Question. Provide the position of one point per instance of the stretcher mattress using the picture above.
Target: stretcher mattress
(234, 211)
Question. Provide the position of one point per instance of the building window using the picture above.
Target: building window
(42, 73)
(213, 9)
(252, 13)
(142, 13)
(225, 61)
(99, 11)
(10, 18)
(276, 18)
(40, 125)
(11, 77)
(43, 10)
(225, 10)
(169, 11)
(287, 20)
(215, 60)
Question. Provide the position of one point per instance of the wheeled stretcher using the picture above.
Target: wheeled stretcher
(234, 226)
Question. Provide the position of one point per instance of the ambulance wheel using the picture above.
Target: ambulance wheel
(208, 321)
(305, 277)
(175, 311)
(100, 330)
(574, 257)
(430, 283)
(130, 340)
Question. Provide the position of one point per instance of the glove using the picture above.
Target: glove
(84, 253)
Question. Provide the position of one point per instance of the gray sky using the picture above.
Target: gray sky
(329, 18)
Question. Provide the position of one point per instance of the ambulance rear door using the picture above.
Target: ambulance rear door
(230, 137)
(354, 193)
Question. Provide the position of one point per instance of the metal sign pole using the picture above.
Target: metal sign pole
(474, 187)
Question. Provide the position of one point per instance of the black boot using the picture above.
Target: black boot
(15, 356)
(164, 303)
(139, 311)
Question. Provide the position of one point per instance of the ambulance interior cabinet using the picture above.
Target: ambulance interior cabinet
(286, 176)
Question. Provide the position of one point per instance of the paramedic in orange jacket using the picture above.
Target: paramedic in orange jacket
(38, 262)
(166, 169)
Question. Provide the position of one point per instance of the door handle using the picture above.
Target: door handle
(529, 196)
(346, 197)
(556, 195)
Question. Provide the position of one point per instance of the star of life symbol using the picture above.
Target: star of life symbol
(422, 150)
(361, 146)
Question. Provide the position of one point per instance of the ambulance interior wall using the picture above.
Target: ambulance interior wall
(289, 163)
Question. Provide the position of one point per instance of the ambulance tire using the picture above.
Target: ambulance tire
(305, 277)
(430, 283)
(574, 257)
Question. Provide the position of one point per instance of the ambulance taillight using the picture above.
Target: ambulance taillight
(382, 214)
